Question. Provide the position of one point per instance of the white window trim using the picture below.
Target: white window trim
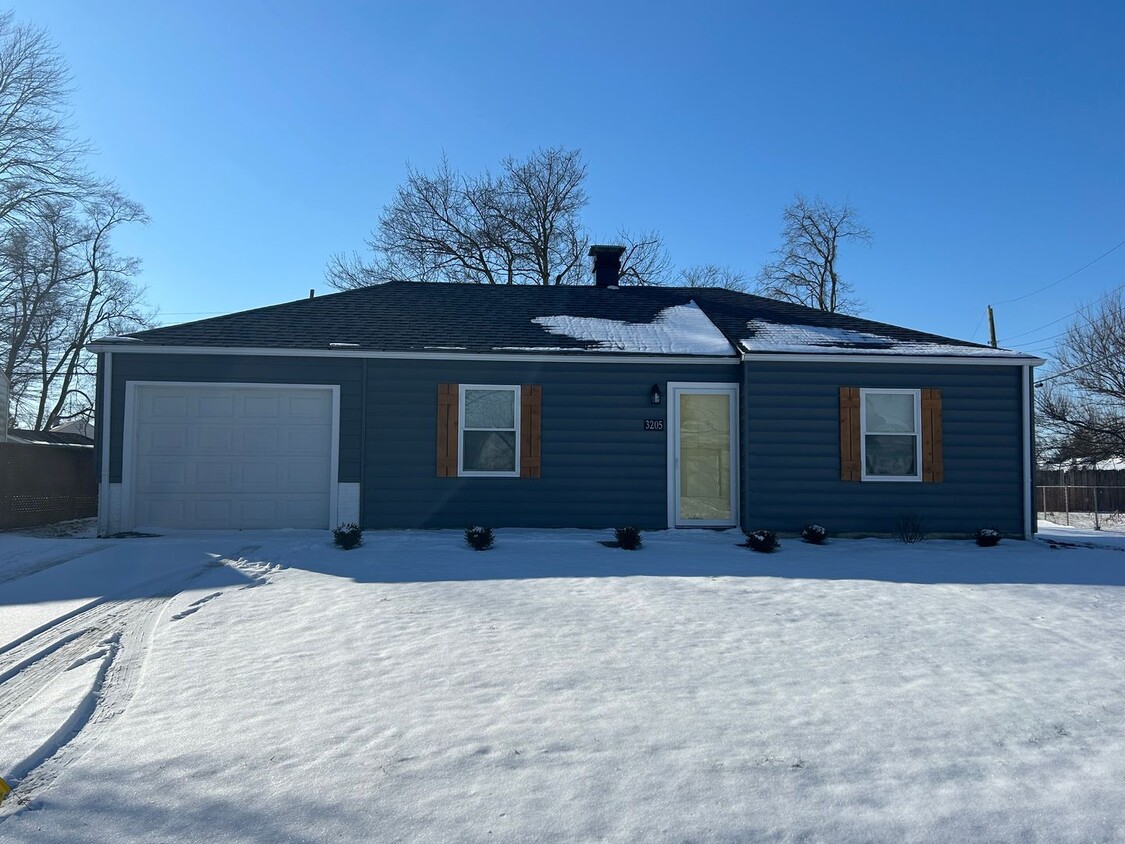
(917, 394)
(461, 390)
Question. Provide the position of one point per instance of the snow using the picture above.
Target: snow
(778, 337)
(553, 689)
(678, 330)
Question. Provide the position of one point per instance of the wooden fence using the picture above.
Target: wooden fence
(1080, 491)
(41, 484)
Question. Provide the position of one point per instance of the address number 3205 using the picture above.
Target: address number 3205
(654, 424)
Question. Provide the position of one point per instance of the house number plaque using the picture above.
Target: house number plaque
(654, 424)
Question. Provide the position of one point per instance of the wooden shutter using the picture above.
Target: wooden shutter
(531, 411)
(849, 434)
(447, 431)
(933, 468)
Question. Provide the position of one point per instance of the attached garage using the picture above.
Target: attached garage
(229, 456)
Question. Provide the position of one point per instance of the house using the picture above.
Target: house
(443, 405)
(52, 437)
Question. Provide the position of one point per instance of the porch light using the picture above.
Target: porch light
(654, 395)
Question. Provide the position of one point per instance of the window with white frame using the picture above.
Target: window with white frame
(891, 434)
(489, 430)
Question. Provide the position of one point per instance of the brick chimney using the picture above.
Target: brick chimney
(607, 265)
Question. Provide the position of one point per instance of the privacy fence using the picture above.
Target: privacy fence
(40, 484)
(1100, 493)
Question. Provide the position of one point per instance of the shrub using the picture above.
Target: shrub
(987, 537)
(910, 528)
(347, 536)
(628, 538)
(479, 538)
(814, 534)
(762, 540)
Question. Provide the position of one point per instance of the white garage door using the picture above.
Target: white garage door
(231, 457)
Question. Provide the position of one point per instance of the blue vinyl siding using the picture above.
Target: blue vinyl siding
(600, 467)
(791, 449)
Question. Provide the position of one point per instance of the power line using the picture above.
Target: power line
(1064, 278)
(1073, 369)
(973, 336)
(1105, 295)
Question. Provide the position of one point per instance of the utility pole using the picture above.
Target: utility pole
(991, 328)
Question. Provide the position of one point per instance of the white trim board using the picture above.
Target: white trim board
(139, 348)
(1029, 524)
(129, 435)
(104, 517)
(948, 360)
(673, 389)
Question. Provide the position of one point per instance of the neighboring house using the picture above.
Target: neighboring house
(81, 425)
(443, 405)
(52, 437)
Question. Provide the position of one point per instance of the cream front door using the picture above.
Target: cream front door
(703, 453)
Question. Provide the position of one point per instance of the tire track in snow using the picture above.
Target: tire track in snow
(122, 629)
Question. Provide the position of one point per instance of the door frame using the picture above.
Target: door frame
(675, 389)
(130, 431)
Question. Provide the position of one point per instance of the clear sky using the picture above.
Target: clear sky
(983, 143)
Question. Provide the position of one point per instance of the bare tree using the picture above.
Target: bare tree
(39, 156)
(805, 269)
(645, 260)
(60, 279)
(520, 225)
(713, 275)
(1081, 409)
(61, 284)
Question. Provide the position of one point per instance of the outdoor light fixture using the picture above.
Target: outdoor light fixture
(655, 394)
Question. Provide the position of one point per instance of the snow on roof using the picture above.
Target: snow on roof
(677, 330)
(778, 337)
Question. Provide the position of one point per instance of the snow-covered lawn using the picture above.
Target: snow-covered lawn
(268, 687)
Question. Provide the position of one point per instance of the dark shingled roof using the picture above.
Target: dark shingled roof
(414, 317)
(48, 437)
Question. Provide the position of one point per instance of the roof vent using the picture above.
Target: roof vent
(607, 265)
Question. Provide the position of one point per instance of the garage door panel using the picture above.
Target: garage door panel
(232, 457)
(209, 438)
(261, 406)
(215, 407)
(164, 438)
(303, 407)
(215, 475)
(163, 474)
(168, 406)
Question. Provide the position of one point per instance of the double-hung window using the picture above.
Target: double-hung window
(891, 435)
(489, 435)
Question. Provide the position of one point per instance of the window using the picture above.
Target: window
(891, 440)
(489, 431)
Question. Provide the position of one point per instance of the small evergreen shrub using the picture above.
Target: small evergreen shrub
(347, 535)
(814, 534)
(910, 528)
(987, 537)
(479, 538)
(628, 538)
(762, 540)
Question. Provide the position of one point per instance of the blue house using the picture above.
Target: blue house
(411, 405)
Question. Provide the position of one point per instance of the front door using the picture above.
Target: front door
(703, 455)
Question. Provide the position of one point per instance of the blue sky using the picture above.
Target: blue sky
(982, 143)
